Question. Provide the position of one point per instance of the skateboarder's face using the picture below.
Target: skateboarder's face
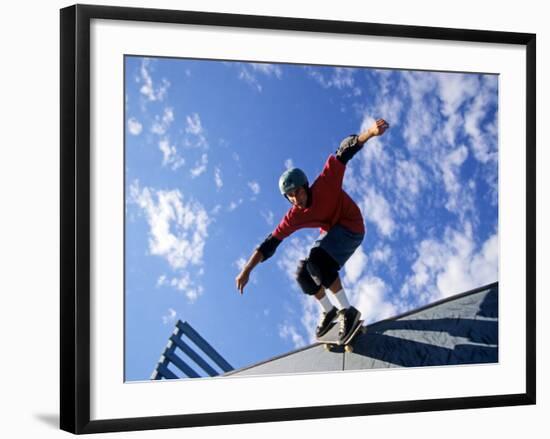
(298, 197)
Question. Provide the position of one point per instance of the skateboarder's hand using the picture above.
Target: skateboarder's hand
(241, 280)
(379, 127)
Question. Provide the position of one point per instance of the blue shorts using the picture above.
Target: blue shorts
(339, 242)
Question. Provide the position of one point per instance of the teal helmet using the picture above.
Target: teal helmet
(292, 179)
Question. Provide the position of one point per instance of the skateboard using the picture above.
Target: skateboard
(331, 341)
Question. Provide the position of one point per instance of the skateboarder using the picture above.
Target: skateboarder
(326, 205)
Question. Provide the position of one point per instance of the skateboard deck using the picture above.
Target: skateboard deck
(330, 339)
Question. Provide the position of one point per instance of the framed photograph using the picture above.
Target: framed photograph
(257, 210)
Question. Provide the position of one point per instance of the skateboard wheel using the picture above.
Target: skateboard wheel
(349, 348)
(327, 347)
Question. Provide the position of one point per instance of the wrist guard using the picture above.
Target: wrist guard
(348, 148)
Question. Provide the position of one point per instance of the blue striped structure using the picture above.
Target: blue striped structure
(177, 346)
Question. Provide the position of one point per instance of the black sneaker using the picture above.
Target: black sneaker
(348, 318)
(326, 319)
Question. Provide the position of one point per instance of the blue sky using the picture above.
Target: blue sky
(205, 144)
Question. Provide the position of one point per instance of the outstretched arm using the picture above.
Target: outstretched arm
(263, 252)
(351, 145)
(244, 275)
(376, 129)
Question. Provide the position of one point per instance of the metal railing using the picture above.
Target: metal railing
(179, 344)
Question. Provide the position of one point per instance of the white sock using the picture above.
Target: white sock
(341, 299)
(326, 304)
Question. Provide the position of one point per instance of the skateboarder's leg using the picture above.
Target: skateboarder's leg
(339, 294)
(348, 315)
(338, 244)
(324, 269)
(323, 300)
(311, 287)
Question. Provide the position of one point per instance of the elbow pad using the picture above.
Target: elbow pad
(348, 148)
(268, 247)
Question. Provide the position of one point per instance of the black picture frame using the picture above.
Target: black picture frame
(76, 210)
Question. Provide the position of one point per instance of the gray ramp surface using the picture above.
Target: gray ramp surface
(462, 329)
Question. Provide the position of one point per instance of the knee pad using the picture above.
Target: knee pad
(306, 282)
(322, 267)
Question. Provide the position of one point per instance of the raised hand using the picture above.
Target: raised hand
(379, 127)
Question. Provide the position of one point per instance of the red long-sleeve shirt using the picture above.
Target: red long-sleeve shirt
(330, 205)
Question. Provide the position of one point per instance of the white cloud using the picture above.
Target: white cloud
(355, 266)
(419, 127)
(370, 295)
(289, 164)
(420, 130)
(311, 313)
(169, 318)
(410, 179)
(296, 248)
(161, 125)
(161, 281)
(287, 331)
(367, 292)
(184, 283)
(254, 187)
(234, 204)
(460, 196)
(134, 126)
(197, 137)
(390, 108)
(341, 78)
(443, 107)
(269, 217)
(194, 125)
(381, 254)
(419, 83)
(248, 73)
(177, 232)
(250, 79)
(455, 89)
(170, 155)
(452, 126)
(218, 178)
(268, 69)
(451, 168)
(319, 77)
(383, 81)
(377, 209)
(240, 263)
(200, 166)
(216, 209)
(148, 89)
(450, 266)
(483, 139)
